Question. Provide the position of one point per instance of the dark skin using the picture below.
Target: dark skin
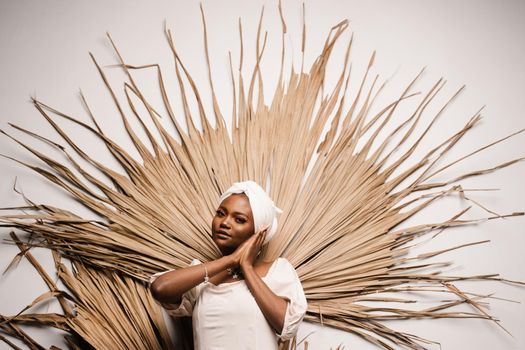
(233, 232)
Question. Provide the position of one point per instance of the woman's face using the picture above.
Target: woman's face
(232, 223)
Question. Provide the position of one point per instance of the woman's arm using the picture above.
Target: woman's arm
(271, 305)
(169, 287)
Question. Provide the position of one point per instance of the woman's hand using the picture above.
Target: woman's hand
(271, 305)
(246, 254)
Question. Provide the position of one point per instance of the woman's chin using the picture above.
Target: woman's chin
(221, 241)
(225, 245)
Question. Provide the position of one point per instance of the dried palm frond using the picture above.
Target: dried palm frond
(356, 181)
(111, 311)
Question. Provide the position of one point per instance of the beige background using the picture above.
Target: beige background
(44, 53)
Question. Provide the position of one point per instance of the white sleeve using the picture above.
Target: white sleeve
(185, 308)
(286, 284)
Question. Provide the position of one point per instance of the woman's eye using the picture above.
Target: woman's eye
(219, 213)
(240, 220)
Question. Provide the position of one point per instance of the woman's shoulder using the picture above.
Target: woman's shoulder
(283, 279)
(282, 268)
(284, 262)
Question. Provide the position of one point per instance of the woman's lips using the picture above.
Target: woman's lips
(222, 234)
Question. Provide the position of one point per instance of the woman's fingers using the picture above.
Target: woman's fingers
(250, 249)
(262, 236)
(260, 242)
(264, 229)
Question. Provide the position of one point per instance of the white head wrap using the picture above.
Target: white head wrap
(263, 209)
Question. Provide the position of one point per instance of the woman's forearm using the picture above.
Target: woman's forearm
(169, 287)
(272, 306)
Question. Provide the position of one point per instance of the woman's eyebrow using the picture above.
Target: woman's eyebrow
(233, 212)
(239, 213)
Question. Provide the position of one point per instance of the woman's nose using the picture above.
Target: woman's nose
(225, 223)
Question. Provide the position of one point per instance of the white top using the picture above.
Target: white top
(226, 316)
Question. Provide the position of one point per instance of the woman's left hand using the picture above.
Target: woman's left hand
(251, 249)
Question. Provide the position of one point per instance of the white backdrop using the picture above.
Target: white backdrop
(44, 53)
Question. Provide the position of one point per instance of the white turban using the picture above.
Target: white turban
(263, 209)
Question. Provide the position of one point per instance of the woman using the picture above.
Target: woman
(237, 301)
